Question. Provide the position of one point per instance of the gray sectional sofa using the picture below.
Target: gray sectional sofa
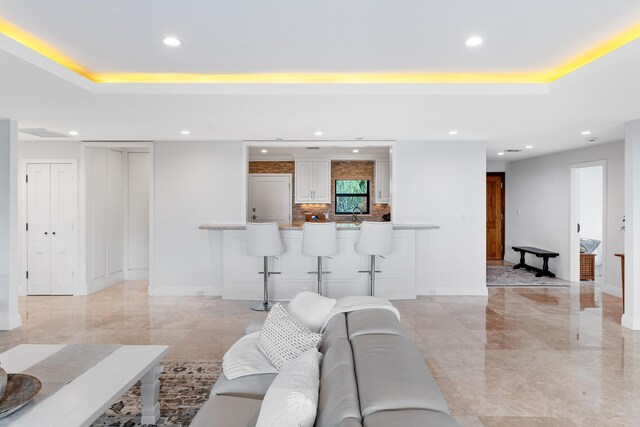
(371, 375)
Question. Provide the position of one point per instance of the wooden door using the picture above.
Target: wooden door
(270, 198)
(495, 216)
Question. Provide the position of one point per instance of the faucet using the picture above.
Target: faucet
(355, 219)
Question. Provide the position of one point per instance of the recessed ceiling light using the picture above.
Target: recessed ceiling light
(73, 132)
(474, 41)
(501, 154)
(585, 132)
(453, 132)
(264, 151)
(529, 146)
(184, 132)
(171, 41)
(319, 133)
(356, 150)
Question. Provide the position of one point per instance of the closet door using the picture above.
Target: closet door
(38, 234)
(63, 238)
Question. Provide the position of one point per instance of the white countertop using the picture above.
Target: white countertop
(341, 227)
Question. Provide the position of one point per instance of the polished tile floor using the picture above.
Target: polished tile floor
(522, 357)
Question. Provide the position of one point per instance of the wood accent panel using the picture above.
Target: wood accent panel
(495, 215)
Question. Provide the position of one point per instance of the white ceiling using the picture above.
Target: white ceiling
(280, 151)
(330, 35)
(601, 97)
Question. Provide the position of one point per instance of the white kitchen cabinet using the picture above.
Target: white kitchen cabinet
(313, 181)
(382, 181)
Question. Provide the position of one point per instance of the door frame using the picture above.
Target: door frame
(574, 208)
(502, 176)
(22, 220)
(277, 175)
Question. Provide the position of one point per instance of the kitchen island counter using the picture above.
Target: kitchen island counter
(342, 226)
(240, 271)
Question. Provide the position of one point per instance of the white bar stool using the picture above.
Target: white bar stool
(263, 239)
(319, 239)
(375, 240)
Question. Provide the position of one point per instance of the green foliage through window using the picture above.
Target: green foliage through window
(352, 195)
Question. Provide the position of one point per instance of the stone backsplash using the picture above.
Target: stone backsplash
(340, 169)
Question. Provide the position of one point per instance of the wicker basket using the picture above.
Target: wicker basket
(587, 266)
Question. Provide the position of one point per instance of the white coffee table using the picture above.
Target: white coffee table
(80, 381)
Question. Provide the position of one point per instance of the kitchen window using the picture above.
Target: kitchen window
(352, 195)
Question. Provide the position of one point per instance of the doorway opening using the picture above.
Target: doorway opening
(588, 240)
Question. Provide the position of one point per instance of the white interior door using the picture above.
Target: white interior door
(270, 198)
(39, 227)
(64, 208)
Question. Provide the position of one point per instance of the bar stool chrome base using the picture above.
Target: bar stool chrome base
(372, 275)
(262, 306)
(320, 273)
(265, 305)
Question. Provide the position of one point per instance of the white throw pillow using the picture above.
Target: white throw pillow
(282, 338)
(311, 309)
(244, 358)
(292, 398)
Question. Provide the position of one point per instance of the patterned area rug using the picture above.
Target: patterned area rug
(499, 275)
(184, 387)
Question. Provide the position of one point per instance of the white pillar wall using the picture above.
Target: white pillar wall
(9, 252)
(631, 317)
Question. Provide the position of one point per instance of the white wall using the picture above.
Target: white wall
(540, 189)
(496, 166)
(105, 200)
(9, 239)
(50, 150)
(194, 183)
(137, 235)
(444, 183)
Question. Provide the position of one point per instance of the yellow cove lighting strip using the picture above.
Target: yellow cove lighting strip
(23, 37)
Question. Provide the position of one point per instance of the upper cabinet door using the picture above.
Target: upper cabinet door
(383, 181)
(304, 182)
(322, 182)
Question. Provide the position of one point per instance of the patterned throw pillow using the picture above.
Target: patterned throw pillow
(282, 338)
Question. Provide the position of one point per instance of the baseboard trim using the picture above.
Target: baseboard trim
(612, 290)
(14, 321)
(169, 291)
(479, 291)
(136, 275)
(104, 283)
(631, 322)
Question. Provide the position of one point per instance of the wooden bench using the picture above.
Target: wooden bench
(540, 253)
